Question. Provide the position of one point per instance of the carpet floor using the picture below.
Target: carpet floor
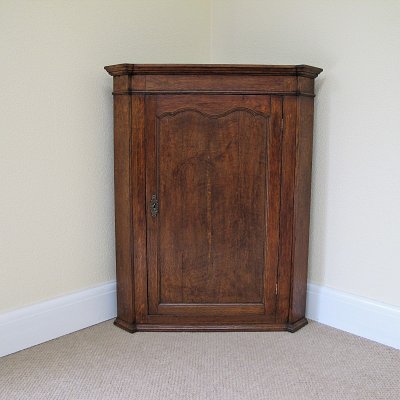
(104, 362)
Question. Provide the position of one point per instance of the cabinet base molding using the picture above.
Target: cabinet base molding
(126, 326)
(129, 327)
(296, 325)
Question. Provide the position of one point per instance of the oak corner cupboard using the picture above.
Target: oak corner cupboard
(212, 195)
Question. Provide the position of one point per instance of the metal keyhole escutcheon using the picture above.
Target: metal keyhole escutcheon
(154, 205)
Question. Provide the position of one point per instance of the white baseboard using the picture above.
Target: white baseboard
(51, 319)
(363, 317)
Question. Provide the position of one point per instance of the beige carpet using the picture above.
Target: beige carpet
(104, 362)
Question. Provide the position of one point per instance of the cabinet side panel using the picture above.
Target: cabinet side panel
(302, 196)
(138, 196)
(286, 214)
(122, 175)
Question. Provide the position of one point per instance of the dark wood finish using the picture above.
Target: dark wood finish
(226, 150)
(214, 79)
(123, 226)
(302, 194)
(212, 185)
(287, 206)
(213, 69)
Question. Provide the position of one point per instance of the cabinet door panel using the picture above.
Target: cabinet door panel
(213, 163)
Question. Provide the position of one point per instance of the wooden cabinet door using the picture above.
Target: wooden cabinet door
(212, 193)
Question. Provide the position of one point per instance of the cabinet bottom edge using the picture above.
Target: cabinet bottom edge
(126, 326)
(295, 326)
(289, 327)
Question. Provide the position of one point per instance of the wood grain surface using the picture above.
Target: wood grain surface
(226, 153)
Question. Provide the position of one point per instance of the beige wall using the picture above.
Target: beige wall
(355, 229)
(56, 200)
(56, 158)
